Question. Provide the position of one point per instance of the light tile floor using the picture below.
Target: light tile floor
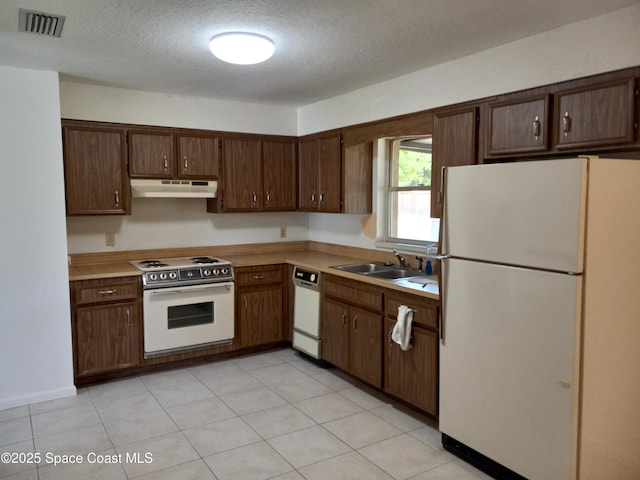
(267, 416)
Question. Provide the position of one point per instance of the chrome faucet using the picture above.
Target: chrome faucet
(400, 258)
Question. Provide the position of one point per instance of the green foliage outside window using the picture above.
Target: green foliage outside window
(414, 168)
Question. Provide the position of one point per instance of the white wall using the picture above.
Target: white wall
(35, 343)
(167, 223)
(605, 43)
(119, 105)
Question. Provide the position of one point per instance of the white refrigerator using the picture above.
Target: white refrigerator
(529, 304)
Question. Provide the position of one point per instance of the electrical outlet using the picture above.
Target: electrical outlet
(283, 232)
(111, 239)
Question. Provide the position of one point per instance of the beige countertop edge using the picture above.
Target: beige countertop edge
(313, 260)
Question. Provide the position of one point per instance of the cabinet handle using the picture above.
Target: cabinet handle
(107, 292)
(355, 322)
(245, 302)
(322, 196)
(566, 123)
(254, 197)
(344, 316)
(258, 277)
(536, 127)
(166, 164)
(117, 197)
(186, 163)
(313, 198)
(268, 196)
(128, 317)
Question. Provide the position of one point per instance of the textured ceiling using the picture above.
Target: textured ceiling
(323, 47)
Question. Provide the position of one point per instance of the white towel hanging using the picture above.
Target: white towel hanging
(401, 333)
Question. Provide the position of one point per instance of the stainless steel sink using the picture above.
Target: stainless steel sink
(363, 268)
(378, 270)
(393, 273)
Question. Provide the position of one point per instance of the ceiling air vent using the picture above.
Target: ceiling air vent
(41, 23)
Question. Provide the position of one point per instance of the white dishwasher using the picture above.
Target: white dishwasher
(306, 312)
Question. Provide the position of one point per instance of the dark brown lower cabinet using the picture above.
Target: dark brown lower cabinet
(352, 335)
(260, 305)
(412, 375)
(106, 318)
(107, 337)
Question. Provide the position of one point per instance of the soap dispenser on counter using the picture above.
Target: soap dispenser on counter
(428, 268)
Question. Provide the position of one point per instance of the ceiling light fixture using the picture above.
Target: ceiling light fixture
(242, 48)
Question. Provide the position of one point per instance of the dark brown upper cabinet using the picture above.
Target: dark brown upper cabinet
(333, 178)
(518, 126)
(166, 154)
(95, 170)
(258, 174)
(599, 114)
(455, 142)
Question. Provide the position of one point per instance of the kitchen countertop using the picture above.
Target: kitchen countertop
(310, 259)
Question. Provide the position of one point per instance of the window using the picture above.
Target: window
(409, 193)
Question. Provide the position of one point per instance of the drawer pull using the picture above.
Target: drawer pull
(258, 277)
(108, 292)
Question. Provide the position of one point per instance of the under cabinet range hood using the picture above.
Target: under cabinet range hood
(174, 188)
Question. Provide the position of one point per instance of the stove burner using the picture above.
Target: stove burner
(204, 260)
(153, 263)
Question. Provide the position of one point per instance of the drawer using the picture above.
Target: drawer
(351, 292)
(107, 292)
(258, 276)
(424, 313)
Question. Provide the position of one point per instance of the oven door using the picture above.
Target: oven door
(187, 317)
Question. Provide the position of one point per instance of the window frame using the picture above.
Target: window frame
(392, 158)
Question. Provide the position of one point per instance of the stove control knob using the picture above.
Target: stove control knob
(163, 276)
(216, 271)
(207, 272)
(173, 275)
(153, 277)
(225, 271)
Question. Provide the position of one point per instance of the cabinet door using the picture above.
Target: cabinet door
(454, 143)
(107, 338)
(242, 174)
(412, 375)
(330, 158)
(518, 126)
(595, 115)
(357, 177)
(260, 315)
(335, 333)
(95, 171)
(198, 157)
(151, 155)
(308, 175)
(279, 175)
(365, 342)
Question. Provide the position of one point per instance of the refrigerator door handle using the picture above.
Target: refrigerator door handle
(443, 296)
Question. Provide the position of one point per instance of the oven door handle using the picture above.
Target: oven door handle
(164, 291)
